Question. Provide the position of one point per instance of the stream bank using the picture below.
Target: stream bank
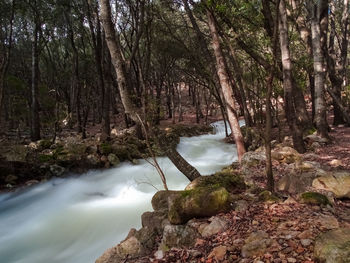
(27, 164)
(308, 220)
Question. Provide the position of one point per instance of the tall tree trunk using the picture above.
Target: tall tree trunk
(317, 12)
(117, 60)
(226, 86)
(288, 82)
(35, 124)
(6, 59)
(269, 174)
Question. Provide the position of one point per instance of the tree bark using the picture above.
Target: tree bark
(35, 119)
(226, 87)
(288, 82)
(317, 11)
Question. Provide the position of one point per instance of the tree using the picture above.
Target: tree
(289, 82)
(319, 13)
(226, 86)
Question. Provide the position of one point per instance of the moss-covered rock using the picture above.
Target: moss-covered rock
(233, 183)
(333, 246)
(200, 202)
(160, 199)
(314, 198)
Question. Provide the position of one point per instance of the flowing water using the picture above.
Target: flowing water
(75, 219)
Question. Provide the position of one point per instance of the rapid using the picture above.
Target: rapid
(75, 219)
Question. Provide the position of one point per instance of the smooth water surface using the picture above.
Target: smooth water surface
(74, 220)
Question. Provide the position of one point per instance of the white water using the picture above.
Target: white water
(76, 219)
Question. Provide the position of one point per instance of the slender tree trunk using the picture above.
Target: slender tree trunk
(6, 59)
(226, 86)
(117, 60)
(180, 102)
(35, 124)
(319, 67)
(288, 82)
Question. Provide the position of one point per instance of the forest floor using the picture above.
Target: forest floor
(291, 227)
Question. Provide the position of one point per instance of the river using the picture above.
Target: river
(75, 219)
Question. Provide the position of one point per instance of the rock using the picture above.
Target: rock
(159, 254)
(307, 234)
(160, 200)
(315, 146)
(155, 220)
(217, 225)
(93, 159)
(131, 247)
(178, 236)
(336, 163)
(306, 242)
(328, 222)
(312, 138)
(104, 159)
(250, 159)
(333, 246)
(256, 244)
(337, 182)
(285, 154)
(218, 253)
(113, 159)
(138, 243)
(226, 178)
(57, 170)
(202, 202)
(11, 179)
(314, 198)
(295, 183)
(241, 206)
(291, 260)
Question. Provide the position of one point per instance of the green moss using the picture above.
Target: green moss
(200, 202)
(310, 131)
(267, 196)
(45, 158)
(106, 148)
(45, 144)
(314, 198)
(231, 182)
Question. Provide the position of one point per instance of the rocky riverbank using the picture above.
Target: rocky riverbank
(25, 164)
(228, 217)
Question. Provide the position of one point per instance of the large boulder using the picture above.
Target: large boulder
(155, 220)
(178, 236)
(250, 159)
(337, 182)
(295, 183)
(137, 244)
(225, 178)
(333, 246)
(202, 202)
(285, 154)
(216, 225)
(204, 197)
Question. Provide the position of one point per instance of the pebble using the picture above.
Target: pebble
(306, 242)
(291, 260)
